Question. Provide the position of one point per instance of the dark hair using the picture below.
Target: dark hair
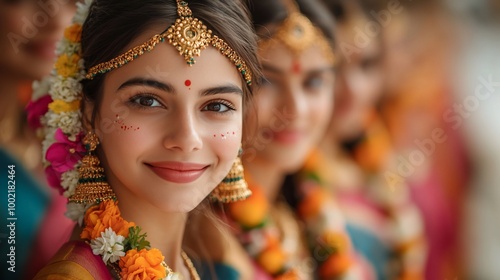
(266, 13)
(113, 24)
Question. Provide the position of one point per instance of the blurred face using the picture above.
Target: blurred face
(358, 86)
(294, 104)
(29, 31)
(169, 132)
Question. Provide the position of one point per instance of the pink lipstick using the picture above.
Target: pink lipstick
(178, 172)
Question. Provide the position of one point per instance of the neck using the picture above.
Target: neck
(268, 176)
(165, 231)
(10, 107)
(330, 146)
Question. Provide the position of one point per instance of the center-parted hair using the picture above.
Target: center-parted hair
(113, 24)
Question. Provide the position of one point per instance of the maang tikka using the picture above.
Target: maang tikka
(297, 33)
(188, 35)
(233, 187)
(92, 186)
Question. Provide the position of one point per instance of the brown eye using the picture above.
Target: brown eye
(218, 107)
(146, 101)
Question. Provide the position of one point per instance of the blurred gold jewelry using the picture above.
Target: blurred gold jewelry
(297, 33)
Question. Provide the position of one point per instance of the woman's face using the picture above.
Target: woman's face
(169, 132)
(29, 31)
(359, 83)
(294, 104)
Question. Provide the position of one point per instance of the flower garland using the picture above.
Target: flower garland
(328, 241)
(55, 112)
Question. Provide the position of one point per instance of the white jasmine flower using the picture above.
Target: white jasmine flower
(41, 88)
(82, 11)
(109, 246)
(68, 89)
(48, 141)
(67, 47)
(76, 211)
(69, 180)
(69, 122)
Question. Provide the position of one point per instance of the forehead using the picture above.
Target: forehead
(164, 63)
(280, 57)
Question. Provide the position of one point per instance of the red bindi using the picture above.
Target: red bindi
(187, 83)
(296, 67)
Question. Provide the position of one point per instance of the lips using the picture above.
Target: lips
(287, 136)
(42, 49)
(178, 172)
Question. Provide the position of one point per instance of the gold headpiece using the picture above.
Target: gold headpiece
(297, 33)
(188, 35)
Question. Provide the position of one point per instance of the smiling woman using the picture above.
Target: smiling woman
(141, 146)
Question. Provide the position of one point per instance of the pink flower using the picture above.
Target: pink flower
(54, 179)
(36, 109)
(64, 153)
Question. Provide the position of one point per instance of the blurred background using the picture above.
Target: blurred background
(431, 73)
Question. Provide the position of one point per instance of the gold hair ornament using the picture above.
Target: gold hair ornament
(188, 35)
(297, 33)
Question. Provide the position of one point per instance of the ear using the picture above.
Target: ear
(88, 120)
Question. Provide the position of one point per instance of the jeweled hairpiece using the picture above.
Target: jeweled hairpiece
(188, 35)
(297, 33)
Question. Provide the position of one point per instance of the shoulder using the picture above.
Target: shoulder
(227, 258)
(74, 260)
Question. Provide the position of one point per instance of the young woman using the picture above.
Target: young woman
(302, 235)
(384, 224)
(29, 31)
(155, 107)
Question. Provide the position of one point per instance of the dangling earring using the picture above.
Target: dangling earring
(234, 187)
(92, 186)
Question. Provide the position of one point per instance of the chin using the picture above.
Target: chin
(289, 160)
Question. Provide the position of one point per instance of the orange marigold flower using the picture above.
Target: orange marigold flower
(73, 33)
(100, 217)
(67, 66)
(142, 265)
(272, 259)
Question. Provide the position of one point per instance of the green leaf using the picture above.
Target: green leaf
(136, 240)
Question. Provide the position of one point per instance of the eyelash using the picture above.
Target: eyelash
(132, 101)
(226, 103)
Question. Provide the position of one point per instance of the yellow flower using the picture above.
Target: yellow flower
(98, 218)
(73, 33)
(60, 106)
(67, 66)
(142, 265)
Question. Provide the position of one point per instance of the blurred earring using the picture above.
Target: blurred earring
(234, 187)
(92, 186)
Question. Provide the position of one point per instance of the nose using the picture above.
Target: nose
(184, 134)
(295, 102)
(59, 15)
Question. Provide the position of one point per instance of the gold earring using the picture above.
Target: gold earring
(234, 187)
(92, 186)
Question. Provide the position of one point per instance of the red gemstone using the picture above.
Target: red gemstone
(187, 83)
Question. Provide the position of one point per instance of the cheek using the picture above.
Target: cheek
(321, 110)
(224, 142)
(10, 20)
(265, 104)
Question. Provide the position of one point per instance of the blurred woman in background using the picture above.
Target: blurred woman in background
(29, 31)
(384, 224)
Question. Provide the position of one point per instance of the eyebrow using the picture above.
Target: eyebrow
(147, 82)
(228, 88)
(270, 68)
